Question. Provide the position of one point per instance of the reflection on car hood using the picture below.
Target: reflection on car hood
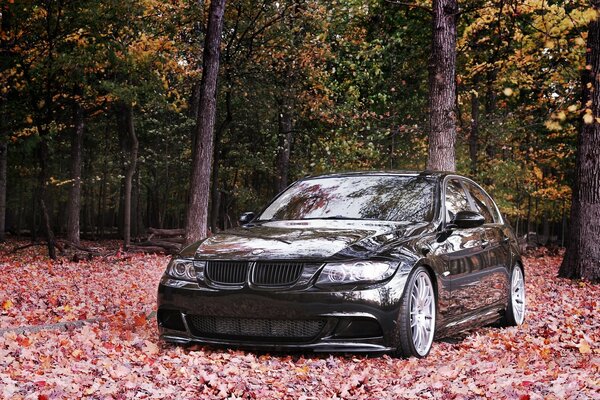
(306, 240)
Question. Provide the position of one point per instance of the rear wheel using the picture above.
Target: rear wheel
(515, 309)
(416, 322)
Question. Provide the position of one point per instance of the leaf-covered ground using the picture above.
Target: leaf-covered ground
(115, 353)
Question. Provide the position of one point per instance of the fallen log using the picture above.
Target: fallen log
(150, 249)
(177, 240)
(26, 246)
(166, 232)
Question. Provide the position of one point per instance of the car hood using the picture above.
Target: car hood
(307, 240)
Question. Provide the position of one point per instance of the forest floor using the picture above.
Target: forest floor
(110, 348)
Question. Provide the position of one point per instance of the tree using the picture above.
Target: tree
(197, 212)
(3, 167)
(127, 124)
(4, 55)
(74, 203)
(582, 259)
(442, 87)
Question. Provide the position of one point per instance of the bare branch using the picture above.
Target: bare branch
(411, 5)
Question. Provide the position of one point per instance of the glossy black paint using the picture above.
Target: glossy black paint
(468, 219)
(470, 267)
(246, 218)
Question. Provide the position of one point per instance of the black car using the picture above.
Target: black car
(367, 261)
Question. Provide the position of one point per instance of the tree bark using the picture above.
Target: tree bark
(130, 171)
(474, 136)
(442, 87)
(74, 203)
(582, 258)
(197, 211)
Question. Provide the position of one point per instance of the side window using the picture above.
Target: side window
(456, 199)
(481, 203)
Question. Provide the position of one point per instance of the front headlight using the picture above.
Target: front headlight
(181, 268)
(356, 272)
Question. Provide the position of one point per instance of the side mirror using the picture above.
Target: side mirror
(246, 217)
(468, 219)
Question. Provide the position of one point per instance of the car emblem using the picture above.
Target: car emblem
(257, 251)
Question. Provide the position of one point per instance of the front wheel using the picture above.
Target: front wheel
(515, 309)
(416, 321)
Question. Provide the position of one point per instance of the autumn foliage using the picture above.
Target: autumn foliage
(87, 329)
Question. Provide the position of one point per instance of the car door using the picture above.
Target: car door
(495, 274)
(461, 252)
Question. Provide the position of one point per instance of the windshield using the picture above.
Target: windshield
(376, 197)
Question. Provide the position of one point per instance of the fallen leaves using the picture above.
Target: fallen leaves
(7, 305)
(555, 355)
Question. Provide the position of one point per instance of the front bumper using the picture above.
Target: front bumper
(359, 320)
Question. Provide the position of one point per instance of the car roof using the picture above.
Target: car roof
(425, 173)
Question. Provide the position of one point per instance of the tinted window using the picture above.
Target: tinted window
(480, 203)
(456, 199)
(390, 198)
(484, 204)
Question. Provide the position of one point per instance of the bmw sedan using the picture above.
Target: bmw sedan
(367, 261)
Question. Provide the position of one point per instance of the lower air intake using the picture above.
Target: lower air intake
(245, 328)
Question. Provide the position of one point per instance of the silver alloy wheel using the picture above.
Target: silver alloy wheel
(422, 313)
(518, 295)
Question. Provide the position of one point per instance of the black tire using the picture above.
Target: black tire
(512, 316)
(405, 343)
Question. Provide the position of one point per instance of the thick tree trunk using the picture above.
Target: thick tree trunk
(582, 259)
(474, 136)
(74, 203)
(442, 87)
(285, 143)
(130, 171)
(197, 211)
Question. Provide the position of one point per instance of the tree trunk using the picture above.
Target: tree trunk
(582, 259)
(43, 195)
(130, 171)
(139, 221)
(215, 196)
(74, 203)
(490, 94)
(474, 136)
(442, 87)
(285, 143)
(197, 211)
(3, 167)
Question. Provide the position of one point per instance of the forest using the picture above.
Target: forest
(99, 101)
